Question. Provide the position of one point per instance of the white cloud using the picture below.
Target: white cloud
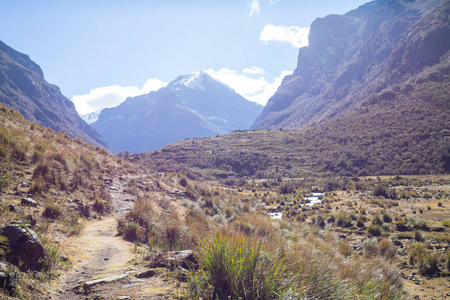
(258, 90)
(253, 70)
(273, 2)
(297, 36)
(111, 96)
(254, 7)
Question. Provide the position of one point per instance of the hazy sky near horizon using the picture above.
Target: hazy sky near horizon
(100, 52)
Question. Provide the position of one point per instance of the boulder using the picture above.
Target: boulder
(185, 259)
(28, 202)
(25, 246)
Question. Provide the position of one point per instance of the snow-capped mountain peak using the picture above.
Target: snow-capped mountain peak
(195, 81)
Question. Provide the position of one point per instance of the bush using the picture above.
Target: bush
(416, 253)
(374, 230)
(99, 206)
(370, 247)
(418, 236)
(52, 211)
(287, 187)
(183, 182)
(376, 220)
(386, 248)
(428, 265)
(238, 268)
(345, 249)
(387, 218)
(401, 224)
(379, 190)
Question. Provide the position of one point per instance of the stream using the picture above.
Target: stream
(315, 198)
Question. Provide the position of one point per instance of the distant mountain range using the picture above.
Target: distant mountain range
(194, 105)
(352, 56)
(23, 87)
(370, 96)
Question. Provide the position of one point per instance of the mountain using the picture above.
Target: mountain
(352, 56)
(370, 96)
(194, 105)
(24, 88)
(91, 117)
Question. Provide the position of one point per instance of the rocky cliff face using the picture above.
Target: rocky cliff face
(23, 87)
(193, 105)
(352, 56)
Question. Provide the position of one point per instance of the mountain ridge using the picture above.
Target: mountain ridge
(350, 57)
(193, 105)
(24, 88)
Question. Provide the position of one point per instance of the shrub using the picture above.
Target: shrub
(237, 267)
(52, 211)
(386, 248)
(287, 187)
(439, 204)
(416, 252)
(138, 222)
(379, 190)
(387, 218)
(401, 224)
(374, 230)
(376, 220)
(345, 249)
(99, 206)
(51, 258)
(183, 182)
(360, 222)
(4, 179)
(370, 247)
(418, 236)
(428, 265)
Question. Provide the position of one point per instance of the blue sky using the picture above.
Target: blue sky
(99, 52)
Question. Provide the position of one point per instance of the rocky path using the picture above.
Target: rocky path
(98, 252)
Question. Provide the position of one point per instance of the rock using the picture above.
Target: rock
(12, 208)
(25, 246)
(146, 274)
(8, 278)
(171, 259)
(88, 284)
(3, 267)
(28, 202)
(398, 244)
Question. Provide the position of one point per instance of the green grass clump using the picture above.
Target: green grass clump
(237, 267)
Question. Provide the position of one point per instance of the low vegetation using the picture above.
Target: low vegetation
(364, 237)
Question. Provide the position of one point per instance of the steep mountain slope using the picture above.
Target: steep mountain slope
(350, 57)
(401, 127)
(23, 87)
(191, 106)
(403, 130)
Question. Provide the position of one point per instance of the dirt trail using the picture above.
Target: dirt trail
(98, 252)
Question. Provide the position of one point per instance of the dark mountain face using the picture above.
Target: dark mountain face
(349, 57)
(23, 87)
(191, 106)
